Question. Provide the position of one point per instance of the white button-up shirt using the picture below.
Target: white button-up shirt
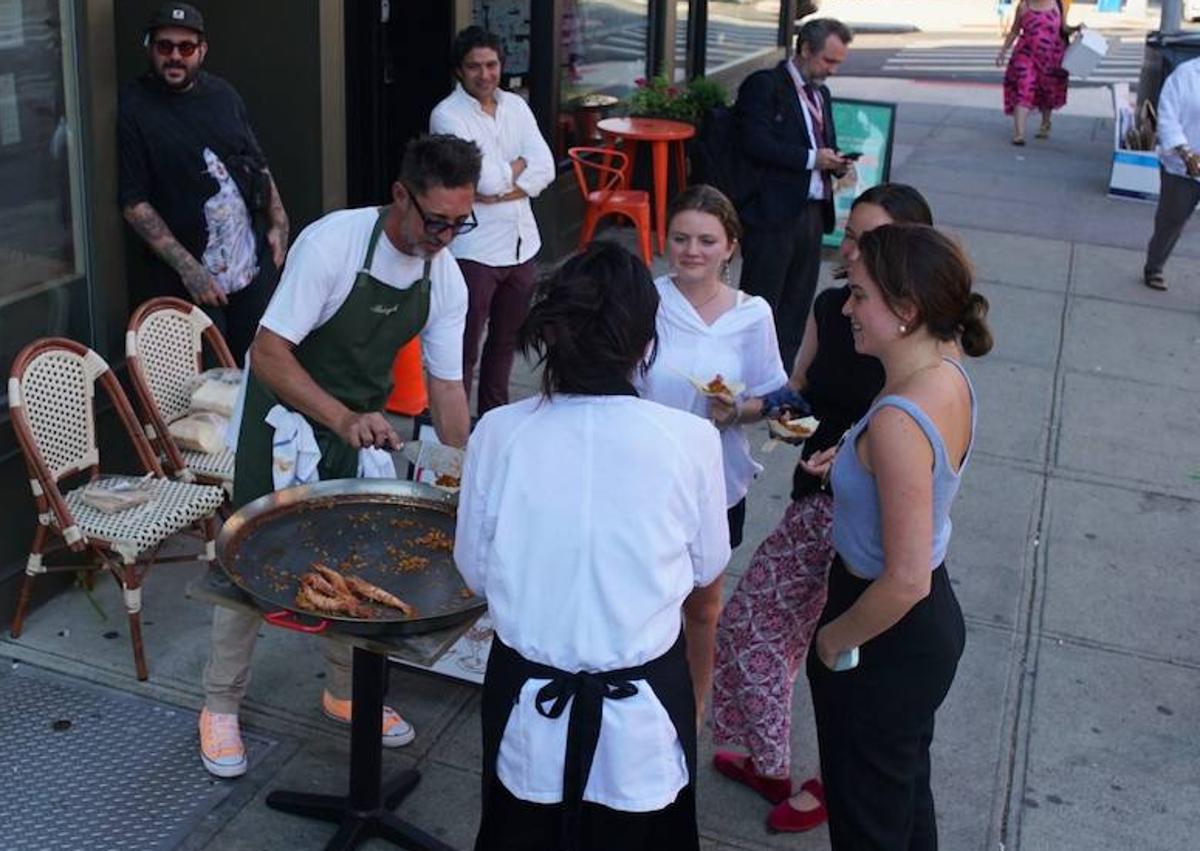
(1179, 116)
(586, 521)
(816, 183)
(507, 232)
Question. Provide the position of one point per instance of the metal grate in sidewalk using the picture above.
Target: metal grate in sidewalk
(86, 768)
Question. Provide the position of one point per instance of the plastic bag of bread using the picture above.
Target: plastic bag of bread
(216, 390)
(202, 431)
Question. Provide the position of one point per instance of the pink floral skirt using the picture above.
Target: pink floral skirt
(764, 633)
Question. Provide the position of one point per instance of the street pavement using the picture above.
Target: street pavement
(1072, 723)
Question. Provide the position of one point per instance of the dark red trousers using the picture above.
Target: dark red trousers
(499, 300)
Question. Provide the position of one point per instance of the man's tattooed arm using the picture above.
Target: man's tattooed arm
(148, 224)
(277, 236)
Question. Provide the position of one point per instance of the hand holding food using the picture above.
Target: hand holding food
(793, 429)
(785, 400)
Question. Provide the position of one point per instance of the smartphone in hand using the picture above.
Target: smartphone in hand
(850, 155)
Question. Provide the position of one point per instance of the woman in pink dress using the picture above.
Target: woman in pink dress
(1035, 78)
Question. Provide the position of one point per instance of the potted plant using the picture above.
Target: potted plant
(658, 97)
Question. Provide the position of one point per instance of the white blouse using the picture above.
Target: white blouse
(740, 346)
(586, 521)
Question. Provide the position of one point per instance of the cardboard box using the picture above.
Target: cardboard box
(1084, 54)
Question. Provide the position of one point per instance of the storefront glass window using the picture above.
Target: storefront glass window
(41, 246)
(739, 30)
(604, 49)
(681, 39)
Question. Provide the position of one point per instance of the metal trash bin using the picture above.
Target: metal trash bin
(1164, 53)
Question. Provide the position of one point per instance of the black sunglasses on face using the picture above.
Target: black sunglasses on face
(165, 47)
(437, 227)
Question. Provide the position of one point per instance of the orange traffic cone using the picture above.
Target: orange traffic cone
(408, 378)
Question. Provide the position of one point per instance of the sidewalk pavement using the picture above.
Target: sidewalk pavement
(1072, 723)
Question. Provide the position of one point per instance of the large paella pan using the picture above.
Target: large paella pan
(395, 535)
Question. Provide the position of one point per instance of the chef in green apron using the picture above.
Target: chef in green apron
(357, 286)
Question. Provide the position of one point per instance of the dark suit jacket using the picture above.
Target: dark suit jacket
(774, 138)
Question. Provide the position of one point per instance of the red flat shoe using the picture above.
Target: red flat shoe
(737, 767)
(784, 818)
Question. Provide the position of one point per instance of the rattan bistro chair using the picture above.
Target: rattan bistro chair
(163, 347)
(51, 397)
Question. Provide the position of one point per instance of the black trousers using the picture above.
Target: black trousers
(875, 722)
(1177, 199)
(736, 515)
(782, 265)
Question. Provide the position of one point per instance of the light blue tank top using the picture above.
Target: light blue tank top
(857, 529)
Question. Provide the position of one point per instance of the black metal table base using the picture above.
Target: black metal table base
(366, 812)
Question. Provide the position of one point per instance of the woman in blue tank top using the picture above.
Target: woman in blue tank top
(891, 633)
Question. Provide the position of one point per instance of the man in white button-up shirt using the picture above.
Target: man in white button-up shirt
(1179, 155)
(497, 257)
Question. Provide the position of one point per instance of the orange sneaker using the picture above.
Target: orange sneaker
(221, 748)
(396, 731)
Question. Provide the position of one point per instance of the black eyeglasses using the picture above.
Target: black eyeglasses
(437, 227)
(165, 47)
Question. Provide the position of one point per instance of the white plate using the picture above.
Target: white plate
(793, 430)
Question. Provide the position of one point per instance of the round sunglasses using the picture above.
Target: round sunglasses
(165, 47)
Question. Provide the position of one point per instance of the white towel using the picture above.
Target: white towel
(294, 451)
(376, 463)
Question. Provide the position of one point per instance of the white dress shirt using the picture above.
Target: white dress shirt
(1179, 116)
(586, 521)
(816, 183)
(740, 346)
(320, 271)
(507, 232)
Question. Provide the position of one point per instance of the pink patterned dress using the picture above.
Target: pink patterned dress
(764, 633)
(1035, 78)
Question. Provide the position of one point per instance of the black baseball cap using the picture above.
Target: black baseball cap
(177, 15)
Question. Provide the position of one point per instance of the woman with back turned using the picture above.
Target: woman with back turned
(594, 523)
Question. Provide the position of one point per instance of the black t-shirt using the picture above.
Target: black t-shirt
(163, 137)
(841, 382)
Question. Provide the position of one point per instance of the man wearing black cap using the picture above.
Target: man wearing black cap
(194, 183)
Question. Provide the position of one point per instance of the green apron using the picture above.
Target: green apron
(350, 357)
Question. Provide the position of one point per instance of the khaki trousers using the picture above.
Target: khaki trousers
(227, 673)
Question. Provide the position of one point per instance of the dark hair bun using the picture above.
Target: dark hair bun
(976, 337)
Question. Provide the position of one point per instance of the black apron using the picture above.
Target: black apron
(507, 671)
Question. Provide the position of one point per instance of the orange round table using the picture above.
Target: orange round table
(659, 133)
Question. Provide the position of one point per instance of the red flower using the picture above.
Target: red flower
(672, 91)
(640, 82)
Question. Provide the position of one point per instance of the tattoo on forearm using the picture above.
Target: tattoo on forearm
(149, 225)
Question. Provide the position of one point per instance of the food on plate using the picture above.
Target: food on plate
(793, 429)
(447, 481)
(718, 387)
(367, 591)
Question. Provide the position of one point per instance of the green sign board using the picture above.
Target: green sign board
(867, 127)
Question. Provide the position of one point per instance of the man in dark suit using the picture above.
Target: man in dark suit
(787, 135)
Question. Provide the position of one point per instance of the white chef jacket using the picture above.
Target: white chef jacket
(586, 521)
(507, 232)
(1179, 116)
(739, 346)
(320, 271)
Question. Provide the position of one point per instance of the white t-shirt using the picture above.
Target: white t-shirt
(586, 521)
(740, 346)
(320, 271)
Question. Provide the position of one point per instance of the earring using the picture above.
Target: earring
(725, 276)
(903, 328)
